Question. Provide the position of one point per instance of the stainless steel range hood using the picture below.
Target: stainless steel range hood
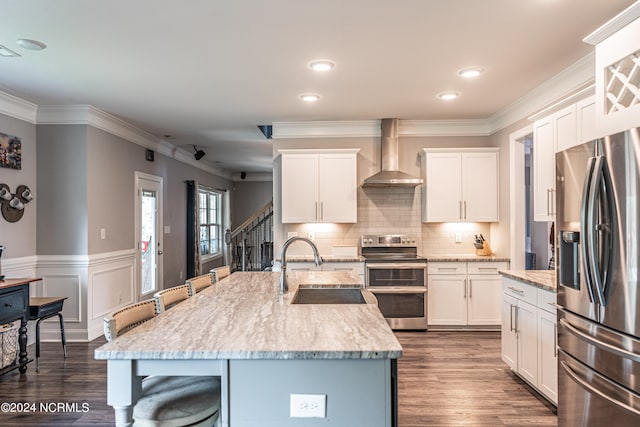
(390, 176)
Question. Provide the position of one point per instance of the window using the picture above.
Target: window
(210, 218)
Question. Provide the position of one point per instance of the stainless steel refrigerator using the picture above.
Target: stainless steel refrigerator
(598, 256)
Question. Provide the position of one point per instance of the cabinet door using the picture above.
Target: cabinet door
(527, 326)
(509, 333)
(543, 170)
(547, 355)
(480, 187)
(337, 192)
(566, 130)
(299, 188)
(586, 120)
(483, 300)
(447, 300)
(443, 187)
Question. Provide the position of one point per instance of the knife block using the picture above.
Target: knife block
(485, 251)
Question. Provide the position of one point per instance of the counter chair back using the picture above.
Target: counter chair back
(199, 283)
(166, 400)
(220, 273)
(169, 297)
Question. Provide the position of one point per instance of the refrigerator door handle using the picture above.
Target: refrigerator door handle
(593, 390)
(600, 344)
(598, 198)
(585, 228)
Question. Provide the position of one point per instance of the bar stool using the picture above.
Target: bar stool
(41, 308)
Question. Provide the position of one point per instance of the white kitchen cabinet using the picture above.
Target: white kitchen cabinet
(529, 343)
(565, 128)
(544, 170)
(547, 346)
(586, 120)
(464, 293)
(319, 186)
(460, 185)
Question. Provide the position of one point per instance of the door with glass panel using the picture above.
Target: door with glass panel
(148, 234)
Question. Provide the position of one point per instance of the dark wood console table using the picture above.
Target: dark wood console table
(14, 305)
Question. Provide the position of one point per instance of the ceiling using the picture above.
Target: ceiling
(207, 72)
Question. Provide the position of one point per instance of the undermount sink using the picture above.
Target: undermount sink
(328, 296)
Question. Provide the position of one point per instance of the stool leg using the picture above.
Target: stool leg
(38, 345)
(64, 340)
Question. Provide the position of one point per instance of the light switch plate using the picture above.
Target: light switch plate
(458, 237)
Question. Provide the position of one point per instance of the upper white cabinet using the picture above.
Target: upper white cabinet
(319, 186)
(460, 185)
(617, 46)
(543, 169)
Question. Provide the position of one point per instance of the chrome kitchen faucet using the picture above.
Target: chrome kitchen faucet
(283, 260)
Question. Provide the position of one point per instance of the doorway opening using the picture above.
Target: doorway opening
(148, 234)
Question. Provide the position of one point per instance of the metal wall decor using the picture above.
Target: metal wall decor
(12, 204)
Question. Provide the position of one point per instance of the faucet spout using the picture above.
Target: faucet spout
(283, 260)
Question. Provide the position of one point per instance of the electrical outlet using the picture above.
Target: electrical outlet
(312, 236)
(308, 406)
(291, 234)
(458, 237)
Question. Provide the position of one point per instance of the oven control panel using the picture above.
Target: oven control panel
(388, 240)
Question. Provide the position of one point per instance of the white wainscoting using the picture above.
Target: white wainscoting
(94, 286)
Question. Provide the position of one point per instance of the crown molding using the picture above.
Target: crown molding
(88, 115)
(569, 81)
(443, 128)
(614, 25)
(326, 129)
(18, 108)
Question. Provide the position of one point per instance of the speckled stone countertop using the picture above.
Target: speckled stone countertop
(325, 258)
(544, 279)
(244, 317)
(463, 257)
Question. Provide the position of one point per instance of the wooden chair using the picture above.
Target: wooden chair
(169, 297)
(199, 283)
(220, 273)
(167, 400)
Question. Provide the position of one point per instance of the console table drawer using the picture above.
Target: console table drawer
(12, 305)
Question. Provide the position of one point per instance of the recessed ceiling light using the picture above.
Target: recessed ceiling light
(7, 52)
(31, 44)
(470, 73)
(446, 96)
(321, 65)
(310, 97)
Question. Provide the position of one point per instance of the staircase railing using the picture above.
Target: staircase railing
(251, 243)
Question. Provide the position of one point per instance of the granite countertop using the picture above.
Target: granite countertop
(325, 258)
(544, 279)
(244, 317)
(464, 257)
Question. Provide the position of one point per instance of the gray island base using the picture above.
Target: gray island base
(266, 349)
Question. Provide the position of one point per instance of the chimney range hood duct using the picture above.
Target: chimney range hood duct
(390, 176)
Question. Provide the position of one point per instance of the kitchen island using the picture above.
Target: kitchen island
(265, 348)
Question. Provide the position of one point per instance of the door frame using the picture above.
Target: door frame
(516, 197)
(139, 178)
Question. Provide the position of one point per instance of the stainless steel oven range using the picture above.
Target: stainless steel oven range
(397, 276)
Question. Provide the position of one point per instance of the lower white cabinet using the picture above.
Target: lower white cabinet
(464, 293)
(529, 335)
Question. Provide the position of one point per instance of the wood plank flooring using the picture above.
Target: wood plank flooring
(445, 379)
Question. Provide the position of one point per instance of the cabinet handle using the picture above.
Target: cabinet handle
(555, 340)
(521, 292)
(460, 208)
(465, 209)
(8, 304)
(465, 289)
(487, 268)
(321, 210)
(553, 304)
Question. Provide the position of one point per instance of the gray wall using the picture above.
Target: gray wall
(62, 190)
(20, 237)
(248, 197)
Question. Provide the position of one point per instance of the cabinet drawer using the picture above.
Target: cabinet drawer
(520, 290)
(547, 301)
(447, 268)
(12, 305)
(358, 267)
(490, 267)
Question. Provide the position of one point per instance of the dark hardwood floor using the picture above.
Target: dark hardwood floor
(445, 379)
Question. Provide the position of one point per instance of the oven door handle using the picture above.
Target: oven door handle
(398, 290)
(396, 265)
